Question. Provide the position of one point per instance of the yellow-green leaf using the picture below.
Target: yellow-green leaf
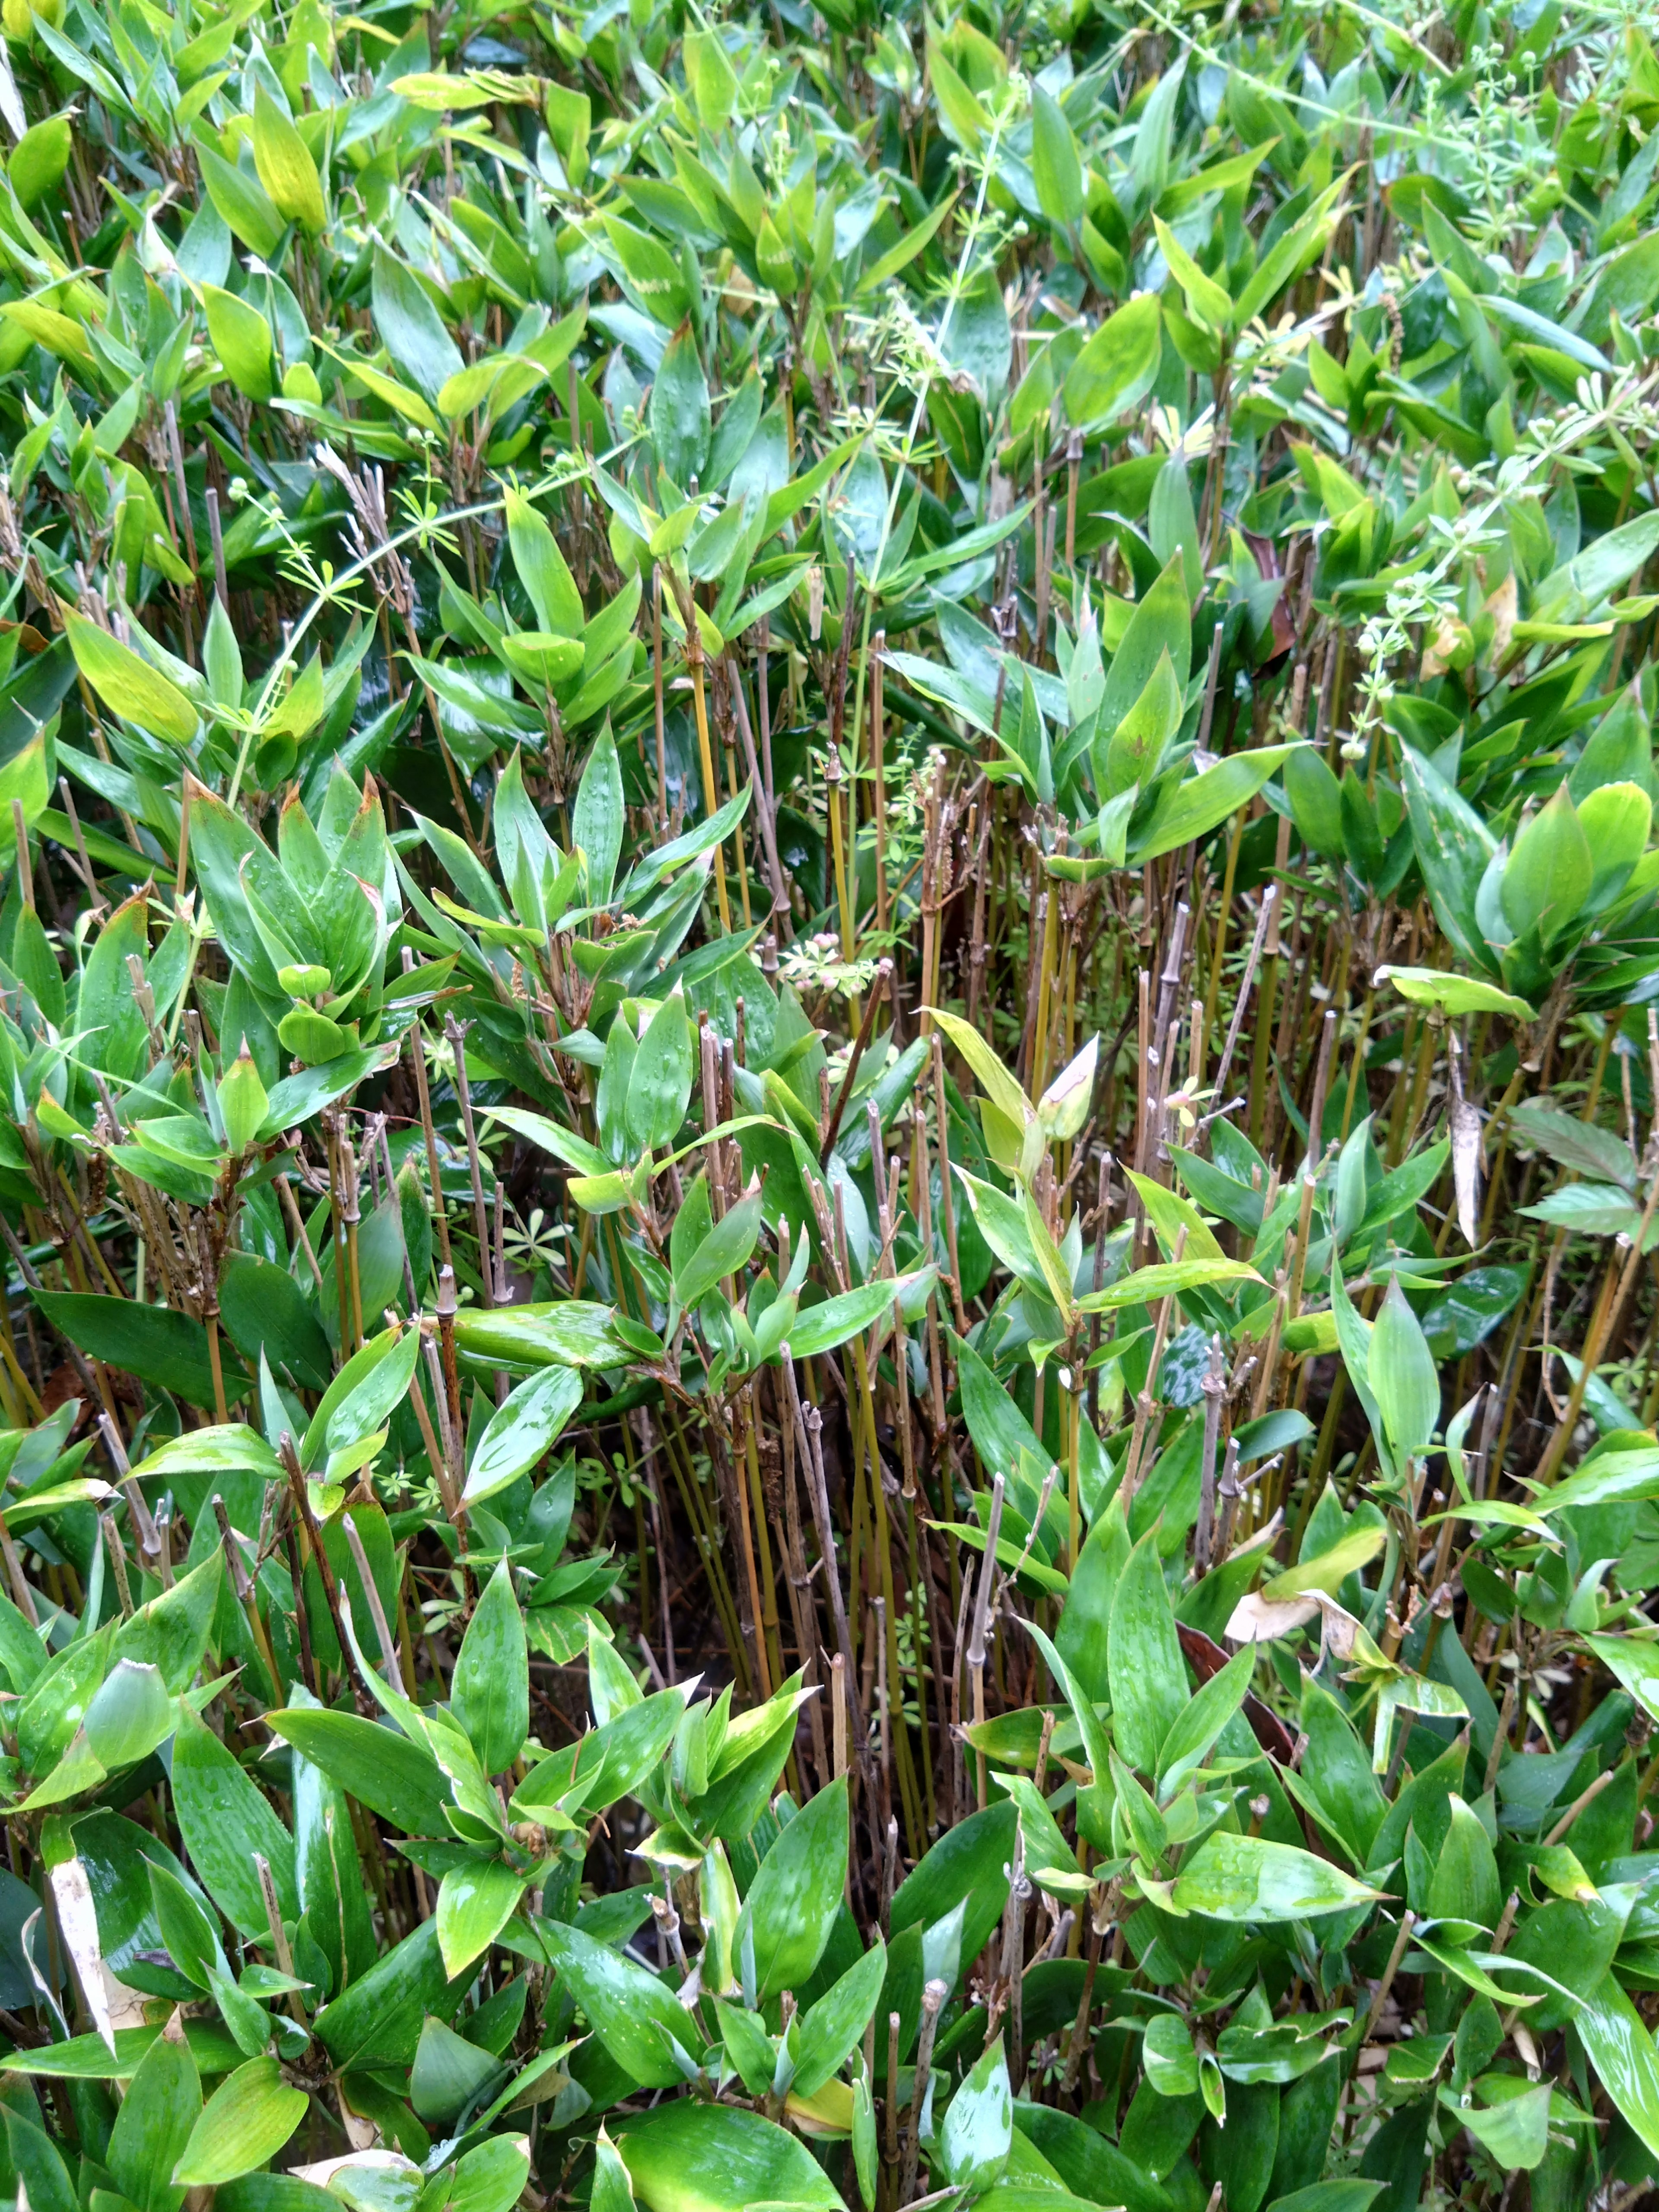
(399, 397)
(59, 334)
(128, 686)
(285, 167)
(1330, 1569)
(241, 338)
(24, 777)
(246, 2121)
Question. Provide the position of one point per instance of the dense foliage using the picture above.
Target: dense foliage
(829, 1031)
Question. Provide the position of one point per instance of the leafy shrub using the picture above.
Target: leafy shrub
(830, 1141)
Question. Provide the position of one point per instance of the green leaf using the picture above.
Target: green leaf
(494, 383)
(1316, 801)
(241, 338)
(336, 1904)
(1630, 1660)
(1129, 759)
(679, 415)
(1454, 846)
(1232, 1877)
(87, 2057)
(130, 1715)
(490, 2178)
(1402, 1376)
(792, 1901)
(1170, 2062)
(1616, 819)
(967, 1864)
(153, 2125)
(747, 2046)
(1162, 624)
(363, 1395)
(1331, 2197)
(1592, 1208)
(916, 238)
(1327, 1570)
(1149, 1676)
(864, 2141)
(22, 1653)
(979, 2126)
(213, 1452)
(1207, 301)
(448, 2072)
(657, 276)
(566, 1332)
(1048, 1857)
(1588, 580)
(1005, 1225)
(542, 568)
(1197, 805)
(1084, 1636)
(490, 1692)
(695, 2157)
(1464, 1884)
(263, 1309)
(117, 1038)
(271, 2192)
(224, 1822)
(247, 2121)
(1087, 2164)
(242, 201)
(285, 167)
(1118, 366)
(1454, 994)
(1165, 1279)
(382, 1769)
(159, 1346)
(1193, 1734)
(714, 83)
(527, 1421)
(1621, 2050)
(377, 2020)
(41, 2174)
(660, 1083)
(962, 116)
(297, 1097)
(39, 159)
(1548, 876)
(722, 1253)
(242, 1098)
(411, 328)
(188, 1935)
(1002, 1088)
(639, 2021)
(399, 398)
(1097, 1748)
(59, 334)
(539, 658)
(23, 781)
(837, 1320)
(1515, 2129)
(476, 1900)
(611, 2191)
(1288, 257)
(652, 867)
(1056, 169)
(1000, 1432)
(128, 685)
(831, 2030)
(596, 821)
